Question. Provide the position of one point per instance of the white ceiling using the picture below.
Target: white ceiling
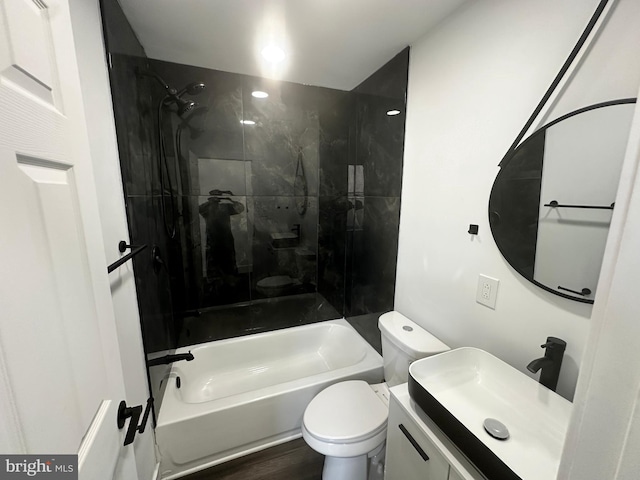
(330, 43)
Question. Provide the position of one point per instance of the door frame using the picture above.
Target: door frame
(602, 441)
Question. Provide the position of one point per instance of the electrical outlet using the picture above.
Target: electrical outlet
(487, 291)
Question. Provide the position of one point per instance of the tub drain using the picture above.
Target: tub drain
(496, 428)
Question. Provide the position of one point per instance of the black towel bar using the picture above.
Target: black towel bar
(584, 292)
(555, 204)
(122, 246)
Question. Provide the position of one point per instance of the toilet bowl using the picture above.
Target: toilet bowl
(347, 421)
(276, 285)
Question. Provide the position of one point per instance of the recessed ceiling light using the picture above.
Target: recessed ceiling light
(247, 122)
(259, 94)
(273, 54)
(391, 113)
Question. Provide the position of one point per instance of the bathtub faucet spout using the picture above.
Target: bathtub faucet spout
(167, 359)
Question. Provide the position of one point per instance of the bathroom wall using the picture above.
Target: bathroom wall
(375, 184)
(473, 82)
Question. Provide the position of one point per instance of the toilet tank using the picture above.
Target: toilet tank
(403, 342)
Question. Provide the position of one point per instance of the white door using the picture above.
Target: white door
(60, 371)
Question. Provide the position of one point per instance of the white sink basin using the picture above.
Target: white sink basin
(460, 388)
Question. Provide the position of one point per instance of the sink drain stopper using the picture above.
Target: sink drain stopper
(496, 429)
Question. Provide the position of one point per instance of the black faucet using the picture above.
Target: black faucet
(550, 363)
(170, 359)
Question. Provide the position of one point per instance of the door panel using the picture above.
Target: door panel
(49, 304)
(60, 371)
(25, 51)
(100, 451)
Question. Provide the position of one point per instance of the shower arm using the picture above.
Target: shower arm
(147, 73)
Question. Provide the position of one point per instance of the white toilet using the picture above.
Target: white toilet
(347, 422)
(279, 285)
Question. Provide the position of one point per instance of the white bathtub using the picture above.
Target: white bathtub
(245, 394)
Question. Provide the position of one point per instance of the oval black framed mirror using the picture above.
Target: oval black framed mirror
(551, 203)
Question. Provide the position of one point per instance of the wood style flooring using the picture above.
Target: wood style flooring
(293, 460)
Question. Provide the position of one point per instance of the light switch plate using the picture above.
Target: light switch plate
(487, 291)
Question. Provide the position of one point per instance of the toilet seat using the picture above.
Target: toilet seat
(277, 285)
(277, 281)
(346, 419)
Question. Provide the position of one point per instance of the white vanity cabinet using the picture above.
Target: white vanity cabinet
(410, 454)
(417, 449)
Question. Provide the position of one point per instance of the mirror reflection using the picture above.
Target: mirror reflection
(552, 202)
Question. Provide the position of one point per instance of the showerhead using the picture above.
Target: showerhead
(192, 89)
(173, 95)
(184, 106)
(188, 121)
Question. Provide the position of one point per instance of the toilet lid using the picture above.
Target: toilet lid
(275, 281)
(346, 412)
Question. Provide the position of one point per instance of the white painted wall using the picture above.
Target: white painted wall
(473, 82)
(96, 93)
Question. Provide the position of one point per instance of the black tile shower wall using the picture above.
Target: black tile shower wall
(283, 210)
(337, 122)
(375, 184)
(247, 173)
(373, 261)
(135, 119)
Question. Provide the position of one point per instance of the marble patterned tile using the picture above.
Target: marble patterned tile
(374, 256)
(332, 247)
(282, 143)
(367, 326)
(380, 147)
(211, 174)
(379, 136)
(337, 123)
(153, 287)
